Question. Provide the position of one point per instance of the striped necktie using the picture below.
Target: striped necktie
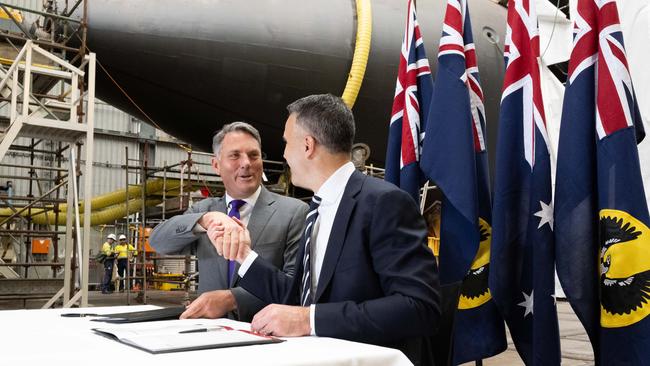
(306, 297)
(235, 205)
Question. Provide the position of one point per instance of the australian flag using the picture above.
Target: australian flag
(522, 279)
(410, 111)
(455, 158)
(602, 236)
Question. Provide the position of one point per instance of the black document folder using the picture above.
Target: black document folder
(142, 316)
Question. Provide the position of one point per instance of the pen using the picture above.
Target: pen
(200, 330)
(77, 315)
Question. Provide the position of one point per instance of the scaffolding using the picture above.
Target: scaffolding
(48, 87)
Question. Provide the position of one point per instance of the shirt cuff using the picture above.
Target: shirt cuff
(246, 263)
(312, 319)
(198, 229)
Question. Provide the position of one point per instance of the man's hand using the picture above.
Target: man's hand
(282, 320)
(231, 243)
(211, 305)
(212, 218)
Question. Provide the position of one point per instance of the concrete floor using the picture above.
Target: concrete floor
(576, 349)
(96, 298)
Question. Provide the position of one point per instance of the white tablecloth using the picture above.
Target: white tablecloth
(44, 337)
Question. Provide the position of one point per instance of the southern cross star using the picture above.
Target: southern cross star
(527, 303)
(545, 214)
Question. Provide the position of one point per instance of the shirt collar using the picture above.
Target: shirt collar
(250, 200)
(334, 186)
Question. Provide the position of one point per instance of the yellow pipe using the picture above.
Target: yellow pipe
(107, 207)
(361, 52)
(17, 14)
(105, 216)
(117, 197)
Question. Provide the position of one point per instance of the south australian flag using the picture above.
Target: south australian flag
(601, 216)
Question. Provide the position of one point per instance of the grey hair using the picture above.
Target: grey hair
(244, 127)
(327, 119)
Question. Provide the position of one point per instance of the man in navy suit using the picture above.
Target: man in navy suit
(363, 270)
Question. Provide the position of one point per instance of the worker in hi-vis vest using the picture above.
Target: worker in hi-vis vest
(124, 251)
(108, 250)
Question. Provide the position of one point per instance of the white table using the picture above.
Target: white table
(44, 337)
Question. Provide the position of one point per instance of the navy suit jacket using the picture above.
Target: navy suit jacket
(378, 282)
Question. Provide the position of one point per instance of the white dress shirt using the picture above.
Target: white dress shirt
(330, 193)
(246, 210)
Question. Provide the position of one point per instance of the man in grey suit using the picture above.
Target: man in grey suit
(275, 224)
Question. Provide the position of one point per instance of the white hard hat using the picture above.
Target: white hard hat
(111, 236)
(122, 236)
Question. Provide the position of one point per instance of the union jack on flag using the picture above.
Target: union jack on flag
(455, 158)
(522, 277)
(410, 110)
(603, 235)
(615, 101)
(457, 39)
(522, 73)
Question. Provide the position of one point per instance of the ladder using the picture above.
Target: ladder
(136, 171)
(67, 117)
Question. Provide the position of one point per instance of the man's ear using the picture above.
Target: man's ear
(215, 165)
(310, 145)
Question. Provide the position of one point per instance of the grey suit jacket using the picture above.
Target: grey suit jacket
(275, 226)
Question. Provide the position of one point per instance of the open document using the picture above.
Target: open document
(182, 335)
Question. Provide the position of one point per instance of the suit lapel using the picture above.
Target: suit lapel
(260, 217)
(339, 231)
(219, 205)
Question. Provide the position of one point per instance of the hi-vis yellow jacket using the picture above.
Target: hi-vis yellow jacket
(121, 250)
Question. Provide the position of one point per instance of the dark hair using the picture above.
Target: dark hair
(327, 119)
(244, 127)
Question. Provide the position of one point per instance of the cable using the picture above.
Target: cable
(557, 9)
(185, 148)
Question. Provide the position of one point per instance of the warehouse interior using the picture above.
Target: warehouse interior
(139, 174)
(84, 153)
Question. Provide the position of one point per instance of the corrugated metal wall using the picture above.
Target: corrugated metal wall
(170, 153)
(109, 159)
(21, 187)
(30, 4)
(110, 118)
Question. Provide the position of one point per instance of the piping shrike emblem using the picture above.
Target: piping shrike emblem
(474, 291)
(624, 269)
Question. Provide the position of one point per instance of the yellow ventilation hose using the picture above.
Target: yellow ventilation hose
(101, 217)
(361, 53)
(117, 197)
(107, 207)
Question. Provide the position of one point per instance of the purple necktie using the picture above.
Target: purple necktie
(235, 205)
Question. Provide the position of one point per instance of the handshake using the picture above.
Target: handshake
(228, 235)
